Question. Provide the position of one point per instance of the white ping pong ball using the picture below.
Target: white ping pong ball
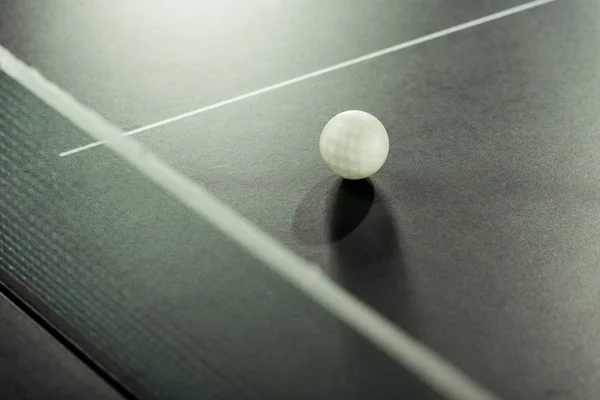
(354, 144)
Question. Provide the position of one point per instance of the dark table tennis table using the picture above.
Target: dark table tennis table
(480, 236)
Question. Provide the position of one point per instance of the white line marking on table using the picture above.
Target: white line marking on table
(308, 278)
(354, 61)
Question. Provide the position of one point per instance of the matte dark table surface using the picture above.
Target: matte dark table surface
(480, 236)
(33, 365)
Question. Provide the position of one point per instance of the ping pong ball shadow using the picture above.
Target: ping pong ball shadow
(359, 231)
(332, 210)
(352, 202)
